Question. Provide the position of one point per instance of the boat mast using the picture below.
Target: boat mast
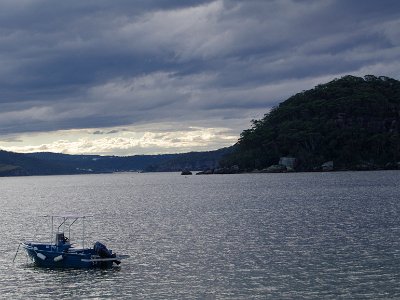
(52, 234)
(83, 237)
(69, 228)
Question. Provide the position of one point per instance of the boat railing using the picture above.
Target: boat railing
(67, 220)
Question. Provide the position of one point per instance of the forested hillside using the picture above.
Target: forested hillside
(352, 121)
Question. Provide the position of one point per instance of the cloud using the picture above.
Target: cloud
(11, 140)
(103, 64)
(135, 140)
(105, 132)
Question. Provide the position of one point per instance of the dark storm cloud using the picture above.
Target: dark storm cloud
(87, 64)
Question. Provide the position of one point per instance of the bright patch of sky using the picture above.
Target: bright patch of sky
(169, 138)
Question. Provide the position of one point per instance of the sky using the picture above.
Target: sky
(134, 77)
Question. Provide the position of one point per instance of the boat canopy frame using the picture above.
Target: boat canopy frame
(64, 223)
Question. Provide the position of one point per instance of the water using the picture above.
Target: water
(283, 236)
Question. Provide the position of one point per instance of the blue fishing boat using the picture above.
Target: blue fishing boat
(60, 252)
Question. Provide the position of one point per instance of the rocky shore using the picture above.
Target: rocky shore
(288, 165)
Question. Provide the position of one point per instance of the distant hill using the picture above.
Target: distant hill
(352, 121)
(190, 161)
(16, 164)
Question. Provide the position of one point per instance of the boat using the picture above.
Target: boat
(60, 252)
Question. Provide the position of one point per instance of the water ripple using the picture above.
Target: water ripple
(286, 236)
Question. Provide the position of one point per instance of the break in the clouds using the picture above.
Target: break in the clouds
(148, 139)
(73, 74)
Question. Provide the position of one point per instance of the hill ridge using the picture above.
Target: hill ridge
(352, 121)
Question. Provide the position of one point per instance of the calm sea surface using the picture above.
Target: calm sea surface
(261, 236)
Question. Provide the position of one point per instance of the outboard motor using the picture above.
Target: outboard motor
(102, 251)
